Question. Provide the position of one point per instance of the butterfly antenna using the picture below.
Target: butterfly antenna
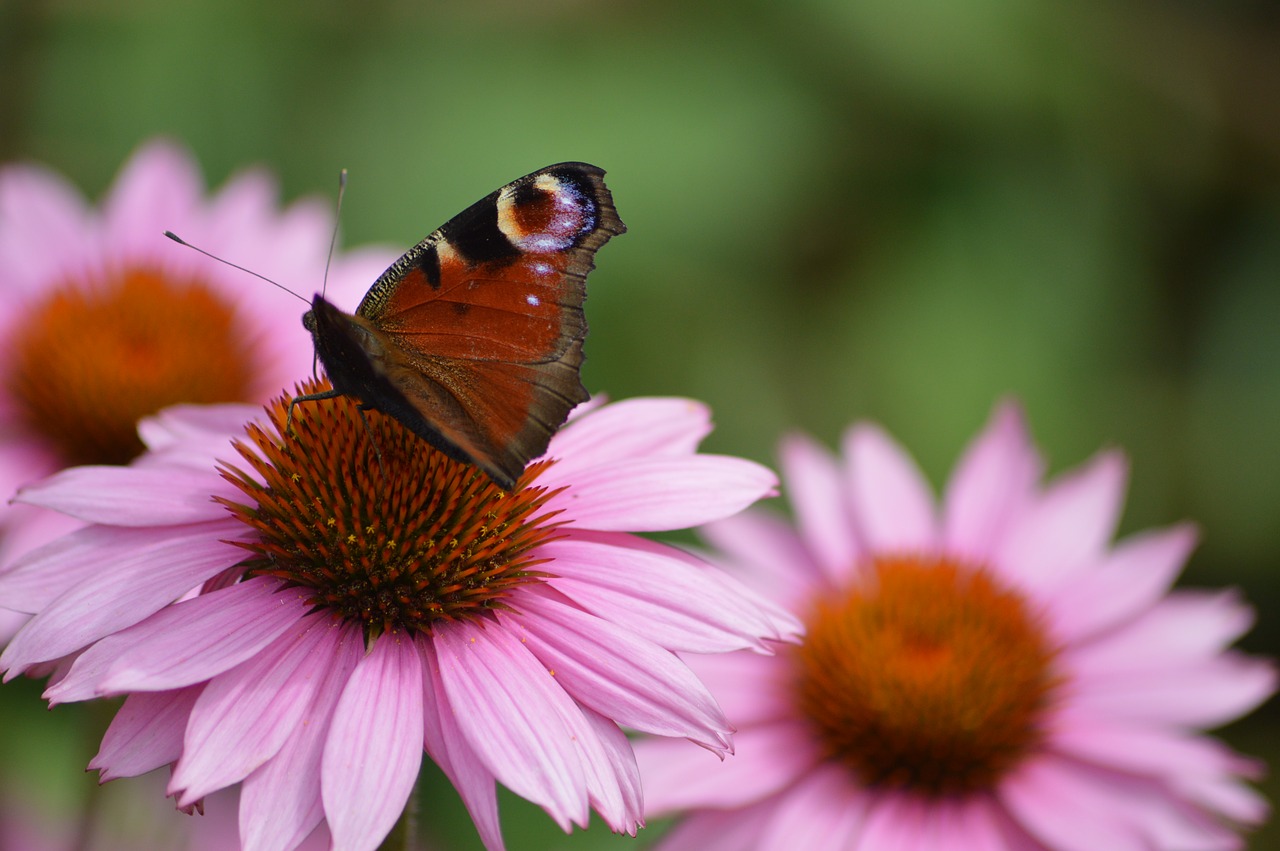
(333, 238)
(182, 241)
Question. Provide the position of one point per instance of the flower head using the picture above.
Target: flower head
(306, 608)
(105, 321)
(989, 673)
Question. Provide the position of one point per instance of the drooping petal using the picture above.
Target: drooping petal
(514, 716)
(280, 803)
(245, 715)
(185, 643)
(615, 790)
(374, 747)
(140, 573)
(618, 673)
(145, 734)
(892, 505)
(655, 590)
(446, 744)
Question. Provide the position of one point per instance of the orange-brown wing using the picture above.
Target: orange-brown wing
(483, 318)
(496, 416)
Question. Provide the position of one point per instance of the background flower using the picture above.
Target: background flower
(105, 321)
(991, 673)
(353, 606)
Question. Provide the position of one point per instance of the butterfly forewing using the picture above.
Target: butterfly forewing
(481, 323)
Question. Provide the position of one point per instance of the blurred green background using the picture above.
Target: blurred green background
(893, 209)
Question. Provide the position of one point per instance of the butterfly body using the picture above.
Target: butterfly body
(473, 339)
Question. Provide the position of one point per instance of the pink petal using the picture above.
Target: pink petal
(1067, 529)
(1184, 627)
(618, 673)
(1131, 579)
(1073, 805)
(995, 477)
(655, 590)
(822, 511)
(514, 716)
(245, 715)
(897, 822)
(766, 760)
(615, 789)
(659, 493)
(45, 229)
(126, 496)
(158, 189)
(374, 748)
(632, 428)
(766, 554)
(891, 501)
(145, 734)
(280, 803)
(1200, 694)
(40, 576)
(720, 830)
(139, 573)
(824, 811)
(1064, 813)
(1195, 765)
(210, 427)
(186, 643)
(751, 688)
(447, 745)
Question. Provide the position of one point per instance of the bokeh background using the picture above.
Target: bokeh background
(892, 209)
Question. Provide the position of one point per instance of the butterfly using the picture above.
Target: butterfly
(473, 339)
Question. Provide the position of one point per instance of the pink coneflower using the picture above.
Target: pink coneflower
(348, 595)
(992, 674)
(105, 321)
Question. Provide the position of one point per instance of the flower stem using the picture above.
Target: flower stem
(401, 836)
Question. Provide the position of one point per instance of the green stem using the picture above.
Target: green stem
(401, 836)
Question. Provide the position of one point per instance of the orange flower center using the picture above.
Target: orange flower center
(90, 361)
(385, 529)
(926, 676)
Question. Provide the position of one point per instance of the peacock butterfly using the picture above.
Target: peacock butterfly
(473, 339)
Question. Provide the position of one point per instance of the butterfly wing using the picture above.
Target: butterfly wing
(483, 319)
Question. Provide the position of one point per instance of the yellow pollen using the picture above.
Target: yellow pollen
(94, 357)
(365, 536)
(927, 675)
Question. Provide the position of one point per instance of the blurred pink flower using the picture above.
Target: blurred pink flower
(124, 817)
(105, 321)
(352, 607)
(990, 675)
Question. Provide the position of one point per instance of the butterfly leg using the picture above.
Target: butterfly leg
(307, 397)
(377, 452)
